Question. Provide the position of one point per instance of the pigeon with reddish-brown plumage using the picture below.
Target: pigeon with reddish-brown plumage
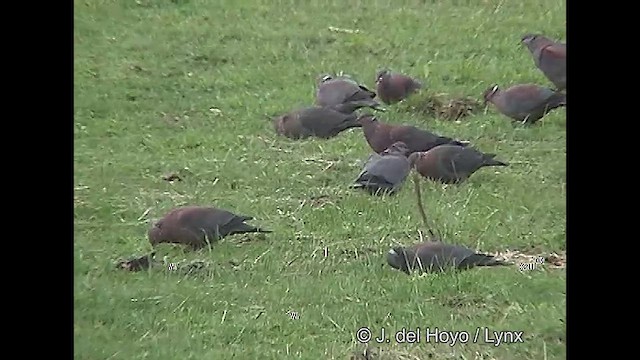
(385, 173)
(394, 87)
(550, 57)
(198, 226)
(381, 136)
(318, 121)
(339, 90)
(526, 103)
(435, 256)
(451, 164)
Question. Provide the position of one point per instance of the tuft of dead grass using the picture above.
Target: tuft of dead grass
(443, 106)
(552, 260)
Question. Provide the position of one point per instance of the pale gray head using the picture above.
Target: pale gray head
(155, 233)
(528, 38)
(414, 158)
(397, 147)
(397, 259)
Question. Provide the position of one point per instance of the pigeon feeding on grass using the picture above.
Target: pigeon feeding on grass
(339, 90)
(526, 103)
(394, 87)
(435, 256)
(451, 164)
(385, 173)
(381, 136)
(316, 121)
(198, 226)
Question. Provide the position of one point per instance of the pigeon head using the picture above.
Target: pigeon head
(382, 74)
(413, 158)
(398, 147)
(490, 92)
(397, 259)
(528, 38)
(366, 119)
(156, 231)
(534, 41)
(322, 78)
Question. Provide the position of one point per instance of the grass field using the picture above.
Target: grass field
(187, 86)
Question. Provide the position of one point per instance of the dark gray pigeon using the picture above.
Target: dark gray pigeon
(550, 57)
(526, 103)
(321, 122)
(435, 256)
(385, 173)
(198, 226)
(339, 90)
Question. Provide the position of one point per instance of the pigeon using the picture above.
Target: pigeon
(550, 57)
(198, 226)
(395, 87)
(385, 174)
(435, 256)
(338, 90)
(321, 122)
(381, 136)
(451, 164)
(526, 103)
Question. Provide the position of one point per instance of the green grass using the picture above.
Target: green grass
(147, 74)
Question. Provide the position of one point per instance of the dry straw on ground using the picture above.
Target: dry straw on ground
(443, 106)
